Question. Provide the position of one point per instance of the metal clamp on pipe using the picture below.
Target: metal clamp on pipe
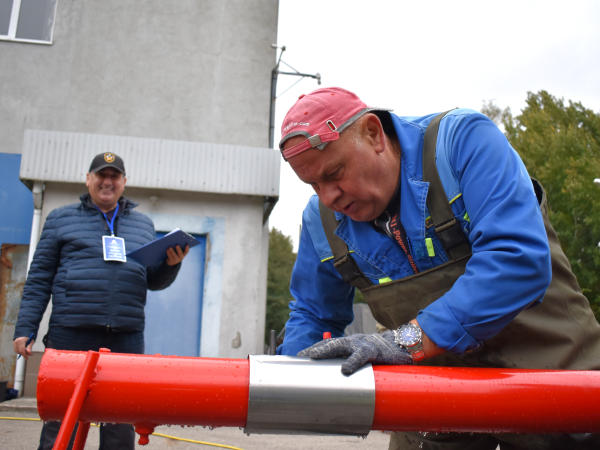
(291, 395)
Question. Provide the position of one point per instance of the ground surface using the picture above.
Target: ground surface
(24, 435)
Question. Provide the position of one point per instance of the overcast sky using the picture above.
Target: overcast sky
(422, 57)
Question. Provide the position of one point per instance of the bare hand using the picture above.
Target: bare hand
(19, 347)
(175, 255)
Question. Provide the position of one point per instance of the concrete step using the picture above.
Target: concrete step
(22, 404)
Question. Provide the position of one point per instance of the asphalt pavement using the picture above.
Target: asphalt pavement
(25, 434)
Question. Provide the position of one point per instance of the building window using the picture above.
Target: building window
(27, 20)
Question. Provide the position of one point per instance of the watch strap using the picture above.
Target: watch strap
(416, 351)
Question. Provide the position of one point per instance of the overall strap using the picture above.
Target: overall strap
(342, 260)
(447, 228)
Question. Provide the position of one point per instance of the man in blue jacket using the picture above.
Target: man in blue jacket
(437, 222)
(98, 299)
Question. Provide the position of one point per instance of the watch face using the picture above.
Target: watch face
(409, 335)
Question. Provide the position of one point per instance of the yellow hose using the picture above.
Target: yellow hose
(19, 418)
(195, 442)
(175, 438)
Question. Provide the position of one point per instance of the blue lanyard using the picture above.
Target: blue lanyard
(111, 224)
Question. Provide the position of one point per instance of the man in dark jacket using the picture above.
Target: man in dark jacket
(96, 301)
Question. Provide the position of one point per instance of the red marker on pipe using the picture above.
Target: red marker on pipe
(326, 335)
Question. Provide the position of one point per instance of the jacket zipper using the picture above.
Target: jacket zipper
(112, 281)
(112, 285)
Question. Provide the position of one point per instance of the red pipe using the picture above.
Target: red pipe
(438, 399)
(79, 393)
(149, 390)
(81, 436)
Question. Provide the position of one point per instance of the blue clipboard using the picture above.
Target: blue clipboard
(156, 251)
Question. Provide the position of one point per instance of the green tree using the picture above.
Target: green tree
(560, 146)
(281, 263)
(494, 112)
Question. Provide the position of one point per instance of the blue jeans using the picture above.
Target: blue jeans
(112, 437)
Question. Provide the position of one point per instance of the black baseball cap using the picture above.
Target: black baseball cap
(104, 160)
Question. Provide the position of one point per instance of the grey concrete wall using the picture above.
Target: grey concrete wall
(193, 70)
(243, 290)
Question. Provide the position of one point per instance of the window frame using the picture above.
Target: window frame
(14, 21)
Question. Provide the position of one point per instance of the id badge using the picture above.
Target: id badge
(114, 248)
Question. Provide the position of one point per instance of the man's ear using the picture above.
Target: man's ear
(374, 132)
(87, 179)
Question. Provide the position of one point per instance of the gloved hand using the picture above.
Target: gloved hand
(361, 349)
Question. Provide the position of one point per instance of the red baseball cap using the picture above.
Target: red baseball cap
(321, 116)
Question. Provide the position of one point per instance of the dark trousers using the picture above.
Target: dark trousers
(112, 437)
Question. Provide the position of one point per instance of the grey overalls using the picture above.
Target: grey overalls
(560, 333)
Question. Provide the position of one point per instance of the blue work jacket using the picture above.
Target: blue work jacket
(491, 195)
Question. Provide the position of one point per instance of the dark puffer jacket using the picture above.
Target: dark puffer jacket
(86, 290)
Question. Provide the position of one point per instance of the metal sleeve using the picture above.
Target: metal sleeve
(293, 395)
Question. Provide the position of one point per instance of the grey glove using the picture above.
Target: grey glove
(361, 349)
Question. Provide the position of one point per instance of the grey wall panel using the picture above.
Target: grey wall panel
(154, 163)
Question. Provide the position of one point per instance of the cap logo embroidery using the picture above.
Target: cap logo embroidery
(109, 157)
(293, 124)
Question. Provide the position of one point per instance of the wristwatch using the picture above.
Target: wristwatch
(410, 337)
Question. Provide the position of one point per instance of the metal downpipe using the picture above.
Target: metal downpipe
(38, 201)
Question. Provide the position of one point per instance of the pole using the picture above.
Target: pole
(442, 399)
(274, 74)
(80, 391)
(81, 436)
(151, 389)
(154, 389)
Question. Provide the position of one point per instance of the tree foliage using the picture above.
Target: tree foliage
(560, 146)
(281, 263)
(494, 112)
